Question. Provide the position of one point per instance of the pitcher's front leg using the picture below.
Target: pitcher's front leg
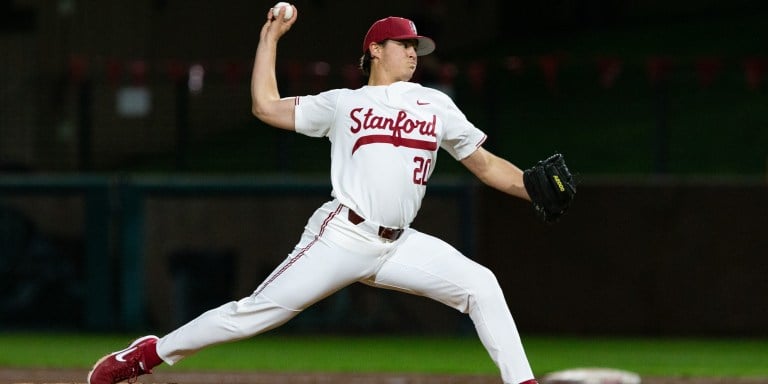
(427, 266)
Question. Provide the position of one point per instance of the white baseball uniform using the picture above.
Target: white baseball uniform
(384, 145)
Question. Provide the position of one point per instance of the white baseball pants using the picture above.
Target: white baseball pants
(333, 253)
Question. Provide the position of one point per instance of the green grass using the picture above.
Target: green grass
(459, 355)
(654, 356)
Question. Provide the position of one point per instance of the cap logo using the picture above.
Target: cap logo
(413, 27)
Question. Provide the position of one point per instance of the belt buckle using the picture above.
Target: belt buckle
(390, 233)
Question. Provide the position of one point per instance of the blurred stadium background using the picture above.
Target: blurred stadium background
(137, 190)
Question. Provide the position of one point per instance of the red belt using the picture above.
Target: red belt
(391, 234)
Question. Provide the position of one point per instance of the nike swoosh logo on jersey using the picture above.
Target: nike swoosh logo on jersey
(121, 356)
(419, 102)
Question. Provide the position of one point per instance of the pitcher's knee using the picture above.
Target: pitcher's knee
(252, 315)
(485, 287)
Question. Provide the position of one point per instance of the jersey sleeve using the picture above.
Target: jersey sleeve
(461, 137)
(314, 114)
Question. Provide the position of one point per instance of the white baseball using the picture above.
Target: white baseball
(288, 10)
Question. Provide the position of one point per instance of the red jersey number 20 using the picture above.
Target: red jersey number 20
(421, 172)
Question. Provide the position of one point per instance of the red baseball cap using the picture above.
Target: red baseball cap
(397, 28)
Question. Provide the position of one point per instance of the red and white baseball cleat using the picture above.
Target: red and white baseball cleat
(137, 359)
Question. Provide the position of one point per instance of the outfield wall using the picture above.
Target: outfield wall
(663, 257)
(652, 257)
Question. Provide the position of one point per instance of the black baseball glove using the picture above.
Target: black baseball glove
(551, 187)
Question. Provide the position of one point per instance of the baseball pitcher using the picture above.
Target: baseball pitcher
(385, 137)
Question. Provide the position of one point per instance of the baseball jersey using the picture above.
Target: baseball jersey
(384, 144)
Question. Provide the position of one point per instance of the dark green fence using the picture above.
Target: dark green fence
(114, 227)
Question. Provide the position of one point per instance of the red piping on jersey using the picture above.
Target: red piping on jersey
(396, 141)
(301, 252)
(481, 141)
